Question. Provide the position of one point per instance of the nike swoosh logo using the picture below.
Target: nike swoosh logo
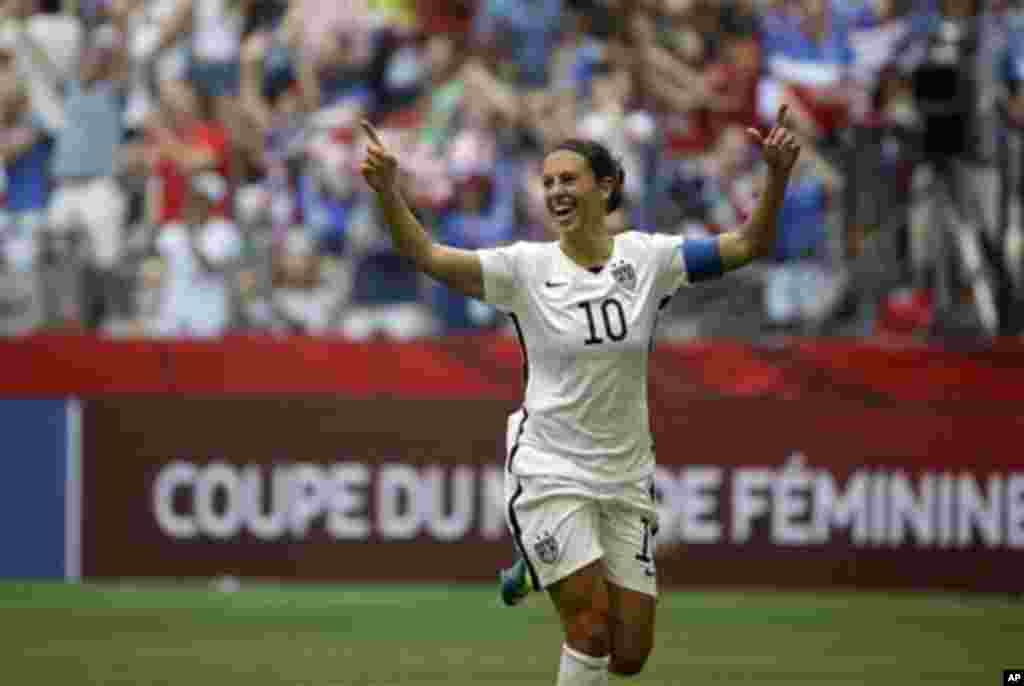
(555, 284)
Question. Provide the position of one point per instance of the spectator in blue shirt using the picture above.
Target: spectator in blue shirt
(526, 31)
(807, 57)
(798, 281)
(25, 152)
(482, 215)
(1010, 69)
(87, 196)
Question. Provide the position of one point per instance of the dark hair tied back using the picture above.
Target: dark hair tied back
(601, 163)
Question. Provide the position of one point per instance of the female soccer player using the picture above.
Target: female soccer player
(580, 464)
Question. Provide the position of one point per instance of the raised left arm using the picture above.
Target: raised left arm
(756, 238)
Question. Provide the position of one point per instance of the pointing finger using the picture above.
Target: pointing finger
(377, 154)
(783, 111)
(371, 132)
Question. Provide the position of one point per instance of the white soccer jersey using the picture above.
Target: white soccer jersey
(586, 338)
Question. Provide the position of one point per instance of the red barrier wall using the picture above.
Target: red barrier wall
(491, 366)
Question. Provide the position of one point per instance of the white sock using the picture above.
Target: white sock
(577, 669)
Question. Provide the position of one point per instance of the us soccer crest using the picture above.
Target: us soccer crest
(625, 275)
(546, 549)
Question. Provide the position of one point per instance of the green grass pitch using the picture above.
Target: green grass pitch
(166, 633)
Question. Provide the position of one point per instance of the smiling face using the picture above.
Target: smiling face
(575, 199)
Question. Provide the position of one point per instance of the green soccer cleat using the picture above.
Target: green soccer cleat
(515, 583)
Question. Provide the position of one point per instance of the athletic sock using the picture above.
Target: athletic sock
(577, 669)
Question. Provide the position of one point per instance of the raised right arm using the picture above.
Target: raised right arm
(458, 269)
(175, 26)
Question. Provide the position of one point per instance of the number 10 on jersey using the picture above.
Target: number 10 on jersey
(612, 316)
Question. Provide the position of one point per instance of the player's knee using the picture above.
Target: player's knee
(627, 665)
(589, 633)
(629, 660)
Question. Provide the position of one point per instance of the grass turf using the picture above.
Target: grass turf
(168, 633)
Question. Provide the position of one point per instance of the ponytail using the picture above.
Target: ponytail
(615, 199)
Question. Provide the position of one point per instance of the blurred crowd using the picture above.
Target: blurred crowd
(189, 168)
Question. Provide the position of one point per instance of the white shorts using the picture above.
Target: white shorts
(561, 526)
(99, 206)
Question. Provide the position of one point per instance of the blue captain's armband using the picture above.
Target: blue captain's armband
(702, 259)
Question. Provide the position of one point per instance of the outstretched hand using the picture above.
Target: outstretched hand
(380, 168)
(779, 147)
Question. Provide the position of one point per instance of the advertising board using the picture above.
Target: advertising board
(760, 491)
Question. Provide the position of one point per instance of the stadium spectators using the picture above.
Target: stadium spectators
(198, 253)
(481, 213)
(445, 90)
(306, 295)
(25, 150)
(185, 139)
(388, 295)
(268, 94)
(798, 282)
(808, 59)
(88, 201)
(727, 182)
(47, 48)
(610, 117)
(213, 32)
(522, 35)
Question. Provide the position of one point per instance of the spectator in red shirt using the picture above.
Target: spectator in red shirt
(732, 81)
(454, 17)
(186, 140)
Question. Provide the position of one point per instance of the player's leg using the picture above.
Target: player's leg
(557, 535)
(627, 531)
(583, 605)
(631, 624)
